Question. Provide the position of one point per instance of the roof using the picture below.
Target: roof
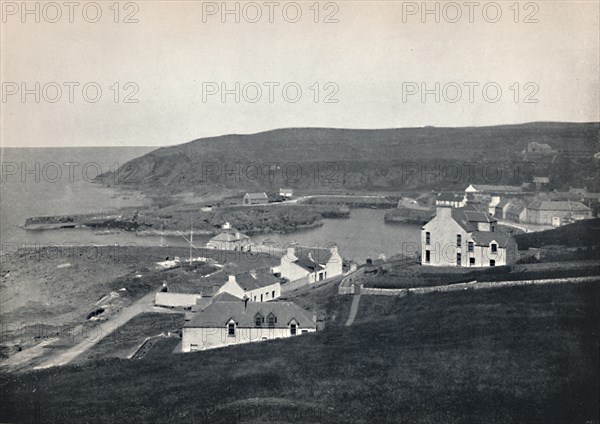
(218, 314)
(450, 197)
(468, 217)
(484, 238)
(496, 188)
(309, 265)
(262, 195)
(201, 286)
(252, 280)
(313, 254)
(225, 297)
(549, 205)
(515, 208)
(229, 236)
(502, 203)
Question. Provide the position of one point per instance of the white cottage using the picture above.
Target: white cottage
(230, 321)
(310, 264)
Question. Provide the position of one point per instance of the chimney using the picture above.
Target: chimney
(226, 226)
(333, 249)
(237, 234)
(231, 279)
(290, 255)
(253, 274)
(443, 211)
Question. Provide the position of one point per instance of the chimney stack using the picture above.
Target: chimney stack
(231, 279)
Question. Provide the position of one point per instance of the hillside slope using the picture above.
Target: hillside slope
(338, 159)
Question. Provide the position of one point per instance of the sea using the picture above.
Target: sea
(59, 181)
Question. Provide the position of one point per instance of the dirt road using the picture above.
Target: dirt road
(145, 304)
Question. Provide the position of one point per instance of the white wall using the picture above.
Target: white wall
(178, 300)
(210, 338)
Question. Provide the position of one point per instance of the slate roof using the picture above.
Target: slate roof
(225, 297)
(256, 196)
(313, 254)
(469, 216)
(218, 314)
(484, 238)
(250, 280)
(450, 197)
(229, 236)
(496, 188)
(515, 208)
(502, 203)
(549, 205)
(263, 277)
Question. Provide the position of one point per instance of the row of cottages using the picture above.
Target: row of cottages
(255, 199)
(229, 320)
(309, 264)
(467, 236)
(451, 199)
(256, 285)
(557, 213)
(230, 239)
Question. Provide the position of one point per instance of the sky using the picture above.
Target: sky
(181, 70)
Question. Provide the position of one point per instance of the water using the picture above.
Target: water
(363, 235)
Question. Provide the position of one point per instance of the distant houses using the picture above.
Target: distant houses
(250, 199)
(230, 239)
(465, 237)
(229, 321)
(309, 264)
(451, 199)
(479, 189)
(557, 213)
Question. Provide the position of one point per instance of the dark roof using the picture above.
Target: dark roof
(502, 203)
(468, 217)
(484, 238)
(229, 236)
(450, 197)
(313, 254)
(225, 297)
(251, 280)
(496, 188)
(548, 205)
(309, 265)
(262, 195)
(218, 314)
(515, 208)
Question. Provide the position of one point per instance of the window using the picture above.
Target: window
(231, 330)
(471, 261)
(293, 329)
(427, 237)
(470, 246)
(304, 331)
(458, 259)
(258, 320)
(494, 248)
(458, 240)
(427, 256)
(193, 347)
(273, 294)
(492, 262)
(272, 319)
(261, 297)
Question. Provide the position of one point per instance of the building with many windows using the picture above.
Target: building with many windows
(467, 237)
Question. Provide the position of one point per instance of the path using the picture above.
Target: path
(145, 304)
(353, 309)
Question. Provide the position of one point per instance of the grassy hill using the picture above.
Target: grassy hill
(524, 354)
(346, 159)
(581, 233)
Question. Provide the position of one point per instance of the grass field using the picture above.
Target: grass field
(506, 355)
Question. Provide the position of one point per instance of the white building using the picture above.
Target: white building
(229, 321)
(230, 239)
(286, 192)
(465, 237)
(451, 199)
(257, 285)
(309, 264)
